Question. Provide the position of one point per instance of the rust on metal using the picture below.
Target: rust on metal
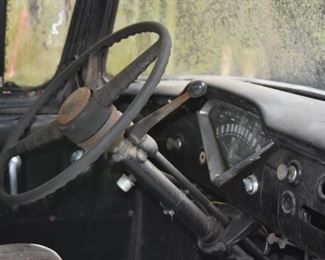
(74, 105)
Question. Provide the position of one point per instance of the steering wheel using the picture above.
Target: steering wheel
(73, 121)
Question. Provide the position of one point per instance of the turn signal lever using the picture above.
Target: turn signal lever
(194, 89)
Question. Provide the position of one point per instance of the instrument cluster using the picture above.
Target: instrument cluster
(239, 133)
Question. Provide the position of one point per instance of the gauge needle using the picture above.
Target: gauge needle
(226, 154)
(229, 153)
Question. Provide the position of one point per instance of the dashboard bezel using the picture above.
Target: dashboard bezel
(218, 170)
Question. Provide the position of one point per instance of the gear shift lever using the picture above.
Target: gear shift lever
(193, 90)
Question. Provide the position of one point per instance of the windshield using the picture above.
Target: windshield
(281, 40)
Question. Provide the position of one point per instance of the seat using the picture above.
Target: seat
(27, 252)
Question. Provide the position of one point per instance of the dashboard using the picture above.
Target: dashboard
(248, 134)
(277, 137)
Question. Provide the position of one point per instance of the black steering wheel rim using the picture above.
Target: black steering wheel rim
(75, 169)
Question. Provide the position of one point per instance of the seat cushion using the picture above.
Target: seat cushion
(26, 252)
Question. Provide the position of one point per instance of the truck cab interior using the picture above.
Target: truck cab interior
(163, 156)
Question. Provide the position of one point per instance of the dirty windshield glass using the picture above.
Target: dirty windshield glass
(282, 40)
(35, 36)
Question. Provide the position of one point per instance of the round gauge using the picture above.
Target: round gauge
(239, 133)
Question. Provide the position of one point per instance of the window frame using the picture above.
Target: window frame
(96, 14)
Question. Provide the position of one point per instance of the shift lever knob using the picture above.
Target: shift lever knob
(196, 88)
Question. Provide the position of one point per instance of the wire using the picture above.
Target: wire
(194, 192)
(218, 202)
(265, 230)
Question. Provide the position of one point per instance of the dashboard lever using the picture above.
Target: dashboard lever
(194, 89)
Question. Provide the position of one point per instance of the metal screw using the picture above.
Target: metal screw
(251, 184)
(169, 212)
(125, 183)
(76, 155)
(282, 172)
(174, 143)
(202, 157)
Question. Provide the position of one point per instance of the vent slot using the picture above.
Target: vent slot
(312, 217)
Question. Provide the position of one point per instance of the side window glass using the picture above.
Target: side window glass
(35, 36)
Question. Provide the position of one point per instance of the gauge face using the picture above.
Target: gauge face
(239, 133)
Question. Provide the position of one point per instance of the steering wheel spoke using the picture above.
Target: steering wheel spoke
(44, 135)
(110, 91)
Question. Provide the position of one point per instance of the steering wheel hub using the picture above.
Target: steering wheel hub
(74, 105)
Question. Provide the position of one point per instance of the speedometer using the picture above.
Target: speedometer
(239, 133)
(231, 135)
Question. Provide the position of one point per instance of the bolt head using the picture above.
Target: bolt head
(125, 183)
(251, 184)
(77, 155)
(248, 185)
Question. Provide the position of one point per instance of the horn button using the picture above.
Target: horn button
(81, 116)
(73, 106)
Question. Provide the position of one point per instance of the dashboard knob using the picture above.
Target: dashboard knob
(292, 174)
(282, 172)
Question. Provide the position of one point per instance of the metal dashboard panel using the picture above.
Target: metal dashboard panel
(291, 115)
(294, 116)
